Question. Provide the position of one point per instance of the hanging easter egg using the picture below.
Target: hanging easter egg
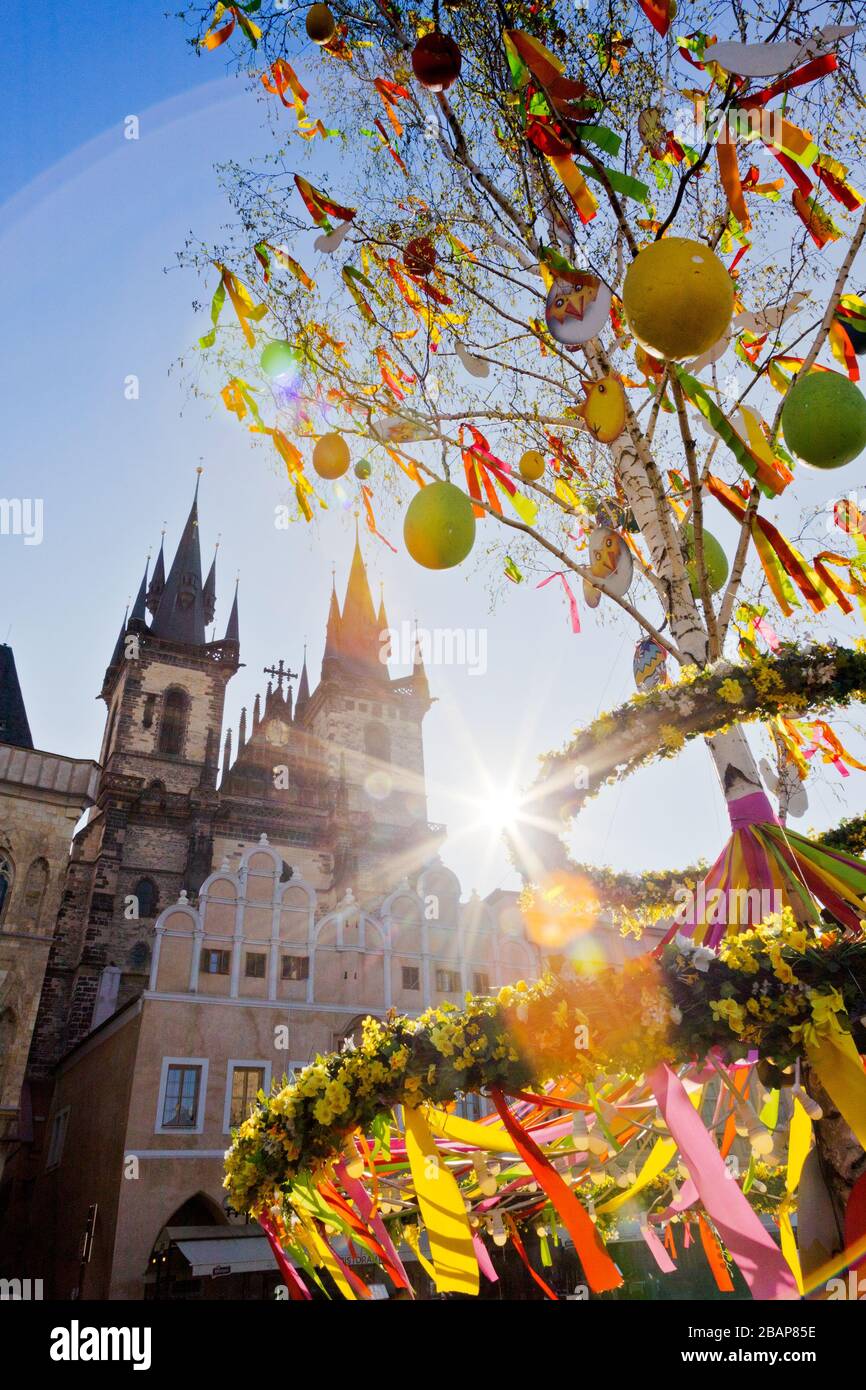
(279, 357)
(610, 512)
(715, 562)
(649, 666)
(651, 129)
(577, 308)
(439, 526)
(604, 409)
(420, 256)
(331, 456)
(678, 298)
(320, 24)
(610, 561)
(363, 468)
(824, 420)
(436, 61)
(531, 465)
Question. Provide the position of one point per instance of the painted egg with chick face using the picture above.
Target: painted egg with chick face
(609, 561)
(577, 308)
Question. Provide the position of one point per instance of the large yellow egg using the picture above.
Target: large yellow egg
(331, 456)
(532, 465)
(678, 298)
(439, 526)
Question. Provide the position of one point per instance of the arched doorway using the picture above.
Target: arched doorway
(201, 1254)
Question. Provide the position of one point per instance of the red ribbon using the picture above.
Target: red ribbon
(518, 1245)
(600, 1270)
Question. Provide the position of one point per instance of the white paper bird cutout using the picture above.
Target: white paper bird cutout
(790, 783)
(473, 364)
(333, 240)
(771, 59)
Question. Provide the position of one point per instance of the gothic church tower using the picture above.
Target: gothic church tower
(150, 833)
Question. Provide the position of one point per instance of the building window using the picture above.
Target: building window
(296, 967)
(7, 873)
(411, 977)
(57, 1139)
(480, 982)
(377, 742)
(149, 707)
(34, 890)
(255, 965)
(216, 962)
(447, 981)
(181, 1096)
(245, 1082)
(172, 730)
(145, 892)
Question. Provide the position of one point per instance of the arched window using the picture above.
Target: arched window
(7, 873)
(172, 729)
(377, 742)
(34, 890)
(145, 891)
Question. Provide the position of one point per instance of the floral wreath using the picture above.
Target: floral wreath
(660, 723)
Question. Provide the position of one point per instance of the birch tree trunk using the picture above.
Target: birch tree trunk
(841, 1158)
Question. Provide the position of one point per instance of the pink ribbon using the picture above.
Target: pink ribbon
(657, 1250)
(295, 1284)
(572, 601)
(364, 1202)
(483, 1258)
(759, 1259)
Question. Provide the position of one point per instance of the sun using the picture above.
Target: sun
(499, 810)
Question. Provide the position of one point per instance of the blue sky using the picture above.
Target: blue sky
(89, 227)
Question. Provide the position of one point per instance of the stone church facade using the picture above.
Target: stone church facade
(225, 892)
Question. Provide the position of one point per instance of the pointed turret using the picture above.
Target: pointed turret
(157, 583)
(257, 712)
(303, 698)
(384, 633)
(117, 654)
(180, 616)
(209, 594)
(139, 608)
(242, 729)
(419, 675)
(232, 628)
(14, 724)
(227, 753)
(331, 658)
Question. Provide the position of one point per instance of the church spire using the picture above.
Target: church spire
(14, 725)
(331, 658)
(303, 696)
(359, 628)
(117, 654)
(209, 594)
(139, 608)
(232, 628)
(419, 675)
(180, 616)
(157, 583)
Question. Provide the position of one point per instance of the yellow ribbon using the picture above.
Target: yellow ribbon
(440, 1202)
